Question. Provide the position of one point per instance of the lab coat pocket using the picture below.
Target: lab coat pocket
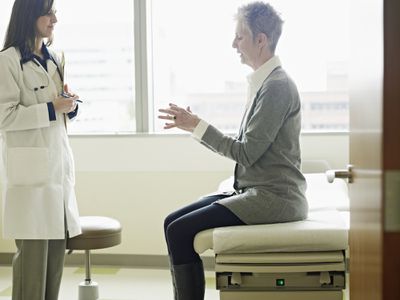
(27, 166)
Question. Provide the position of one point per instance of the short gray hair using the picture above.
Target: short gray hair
(261, 17)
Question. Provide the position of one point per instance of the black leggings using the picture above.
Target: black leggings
(181, 226)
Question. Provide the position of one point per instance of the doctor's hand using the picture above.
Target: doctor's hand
(65, 105)
(68, 92)
(179, 117)
(66, 102)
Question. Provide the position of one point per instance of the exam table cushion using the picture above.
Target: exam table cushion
(323, 230)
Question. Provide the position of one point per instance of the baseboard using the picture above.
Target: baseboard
(116, 260)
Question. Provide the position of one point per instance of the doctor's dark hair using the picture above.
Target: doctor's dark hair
(21, 31)
(261, 17)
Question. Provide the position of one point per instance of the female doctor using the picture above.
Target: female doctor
(40, 208)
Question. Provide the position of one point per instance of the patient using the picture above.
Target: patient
(268, 184)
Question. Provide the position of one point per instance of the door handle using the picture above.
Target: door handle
(347, 174)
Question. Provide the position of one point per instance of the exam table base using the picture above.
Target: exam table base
(281, 276)
(281, 295)
(298, 286)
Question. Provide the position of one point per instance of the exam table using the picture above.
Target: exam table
(304, 260)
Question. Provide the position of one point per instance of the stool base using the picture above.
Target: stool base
(88, 291)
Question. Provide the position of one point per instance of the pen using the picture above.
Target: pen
(66, 96)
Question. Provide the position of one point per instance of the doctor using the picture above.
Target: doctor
(40, 208)
(269, 187)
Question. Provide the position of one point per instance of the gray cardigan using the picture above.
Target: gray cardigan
(270, 187)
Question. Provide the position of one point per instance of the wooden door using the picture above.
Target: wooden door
(391, 151)
(374, 150)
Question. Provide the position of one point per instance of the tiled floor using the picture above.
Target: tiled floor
(116, 284)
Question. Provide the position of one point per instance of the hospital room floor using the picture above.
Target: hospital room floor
(116, 284)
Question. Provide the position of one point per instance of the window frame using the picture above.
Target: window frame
(144, 101)
(143, 105)
(142, 95)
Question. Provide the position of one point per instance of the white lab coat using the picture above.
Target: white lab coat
(37, 163)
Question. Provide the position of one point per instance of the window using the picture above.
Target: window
(194, 64)
(98, 42)
(125, 71)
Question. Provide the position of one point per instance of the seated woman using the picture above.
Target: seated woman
(269, 187)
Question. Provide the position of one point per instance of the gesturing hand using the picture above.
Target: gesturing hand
(179, 117)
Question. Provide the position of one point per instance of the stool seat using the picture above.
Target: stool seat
(97, 233)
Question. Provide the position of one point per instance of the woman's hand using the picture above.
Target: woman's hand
(68, 92)
(179, 117)
(65, 103)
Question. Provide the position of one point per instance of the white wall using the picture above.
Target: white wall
(139, 179)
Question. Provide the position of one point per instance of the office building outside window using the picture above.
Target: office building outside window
(195, 65)
(98, 42)
(188, 60)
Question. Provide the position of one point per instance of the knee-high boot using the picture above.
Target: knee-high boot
(173, 279)
(189, 281)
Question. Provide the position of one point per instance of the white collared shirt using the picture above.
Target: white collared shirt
(255, 81)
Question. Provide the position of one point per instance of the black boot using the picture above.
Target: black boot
(173, 279)
(189, 281)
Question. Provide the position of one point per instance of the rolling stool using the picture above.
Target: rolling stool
(97, 233)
